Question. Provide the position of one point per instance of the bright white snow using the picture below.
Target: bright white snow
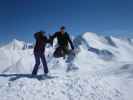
(104, 71)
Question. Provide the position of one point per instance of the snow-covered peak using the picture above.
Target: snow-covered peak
(90, 35)
(121, 48)
(14, 45)
(93, 39)
(17, 45)
(16, 41)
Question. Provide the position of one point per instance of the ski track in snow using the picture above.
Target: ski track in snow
(96, 76)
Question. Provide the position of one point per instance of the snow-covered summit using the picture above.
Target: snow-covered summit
(121, 48)
(17, 45)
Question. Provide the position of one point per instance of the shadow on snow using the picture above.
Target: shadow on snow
(13, 77)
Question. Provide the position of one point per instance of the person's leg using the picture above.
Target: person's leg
(60, 52)
(44, 63)
(37, 63)
(65, 51)
(57, 52)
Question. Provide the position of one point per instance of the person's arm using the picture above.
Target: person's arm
(36, 43)
(70, 41)
(36, 36)
(52, 38)
(46, 39)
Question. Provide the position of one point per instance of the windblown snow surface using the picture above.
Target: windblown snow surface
(101, 70)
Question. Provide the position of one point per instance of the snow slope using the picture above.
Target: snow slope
(101, 70)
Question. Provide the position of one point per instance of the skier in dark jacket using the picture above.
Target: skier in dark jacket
(63, 40)
(39, 50)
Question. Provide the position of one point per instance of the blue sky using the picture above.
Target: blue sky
(21, 18)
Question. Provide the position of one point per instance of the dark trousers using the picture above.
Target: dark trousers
(38, 57)
(61, 51)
